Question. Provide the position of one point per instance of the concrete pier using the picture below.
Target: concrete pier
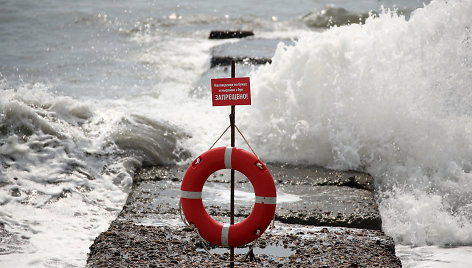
(324, 218)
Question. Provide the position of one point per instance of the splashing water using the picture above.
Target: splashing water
(66, 171)
(392, 97)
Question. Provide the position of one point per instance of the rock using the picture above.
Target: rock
(331, 16)
(11, 242)
(226, 34)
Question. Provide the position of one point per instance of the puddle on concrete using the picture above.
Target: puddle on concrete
(217, 190)
(275, 251)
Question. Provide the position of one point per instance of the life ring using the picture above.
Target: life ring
(191, 196)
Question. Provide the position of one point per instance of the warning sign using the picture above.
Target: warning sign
(231, 91)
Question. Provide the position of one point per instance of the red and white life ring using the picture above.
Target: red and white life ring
(191, 196)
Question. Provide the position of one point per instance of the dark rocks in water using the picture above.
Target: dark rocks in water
(331, 16)
(338, 16)
(227, 34)
(226, 60)
(11, 242)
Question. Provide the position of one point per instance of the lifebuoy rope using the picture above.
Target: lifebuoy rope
(240, 133)
(219, 137)
(244, 138)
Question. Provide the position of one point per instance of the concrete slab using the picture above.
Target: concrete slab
(149, 233)
(249, 50)
(310, 196)
(164, 244)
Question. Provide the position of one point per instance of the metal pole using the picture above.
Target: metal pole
(232, 123)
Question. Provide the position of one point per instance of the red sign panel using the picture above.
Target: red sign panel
(231, 91)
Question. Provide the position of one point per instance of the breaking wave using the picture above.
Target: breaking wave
(63, 159)
(391, 97)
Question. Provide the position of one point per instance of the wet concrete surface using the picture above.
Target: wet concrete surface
(324, 218)
(126, 244)
(252, 51)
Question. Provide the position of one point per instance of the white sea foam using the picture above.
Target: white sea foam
(55, 197)
(66, 171)
(434, 257)
(391, 97)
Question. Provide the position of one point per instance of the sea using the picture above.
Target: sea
(90, 91)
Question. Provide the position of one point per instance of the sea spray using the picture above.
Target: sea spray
(66, 168)
(90, 90)
(391, 97)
